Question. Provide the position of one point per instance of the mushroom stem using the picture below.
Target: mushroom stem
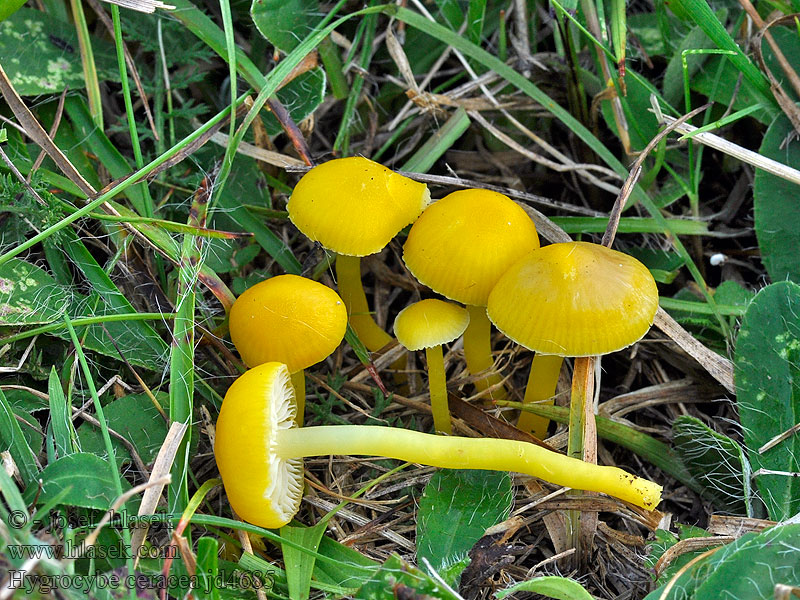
(478, 351)
(299, 384)
(541, 388)
(348, 273)
(437, 383)
(465, 453)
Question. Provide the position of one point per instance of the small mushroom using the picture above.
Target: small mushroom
(259, 452)
(428, 324)
(290, 319)
(459, 247)
(354, 207)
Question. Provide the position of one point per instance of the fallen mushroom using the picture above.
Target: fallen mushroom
(427, 325)
(259, 452)
(289, 319)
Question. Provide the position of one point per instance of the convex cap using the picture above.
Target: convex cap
(575, 299)
(261, 487)
(430, 323)
(355, 206)
(290, 319)
(462, 244)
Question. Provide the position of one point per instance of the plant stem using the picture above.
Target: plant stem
(465, 453)
(478, 351)
(437, 383)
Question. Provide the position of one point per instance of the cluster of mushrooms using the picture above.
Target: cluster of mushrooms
(475, 247)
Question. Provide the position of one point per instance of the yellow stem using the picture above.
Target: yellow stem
(299, 384)
(437, 384)
(478, 351)
(348, 274)
(541, 388)
(453, 452)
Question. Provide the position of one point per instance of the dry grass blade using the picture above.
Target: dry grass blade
(145, 6)
(636, 171)
(36, 132)
(689, 545)
(736, 151)
(161, 469)
(736, 526)
(718, 367)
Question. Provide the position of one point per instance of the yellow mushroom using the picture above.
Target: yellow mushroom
(427, 325)
(572, 299)
(354, 207)
(259, 452)
(289, 319)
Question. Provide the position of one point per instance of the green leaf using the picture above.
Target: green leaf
(337, 574)
(285, 23)
(301, 97)
(767, 376)
(60, 417)
(746, 568)
(29, 295)
(137, 340)
(41, 54)
(396, 578)
(716, 461)
(456, 509)
(561, 588)
(13, 441)
(10, 7)
(84, 480)
(776, 210)
(136, 419)
(299, 564)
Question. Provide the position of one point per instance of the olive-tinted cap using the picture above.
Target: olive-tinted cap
(262, 488)
(429, 323)
(355, 206)
(575, 299)
(289, 319)
(462, 244)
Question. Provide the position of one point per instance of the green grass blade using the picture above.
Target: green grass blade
(439, 143)
(700, 12)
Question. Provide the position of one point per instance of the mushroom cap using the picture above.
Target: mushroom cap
(262, 488)
(289, 319)
(430, 323)
(462, 244)
(575, 299)
(355, 206)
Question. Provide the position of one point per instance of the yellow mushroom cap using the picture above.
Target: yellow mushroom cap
(262, 488)
(575, 299)
(462, 244)
(355, 206)
(429, 323)
(289, 319)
